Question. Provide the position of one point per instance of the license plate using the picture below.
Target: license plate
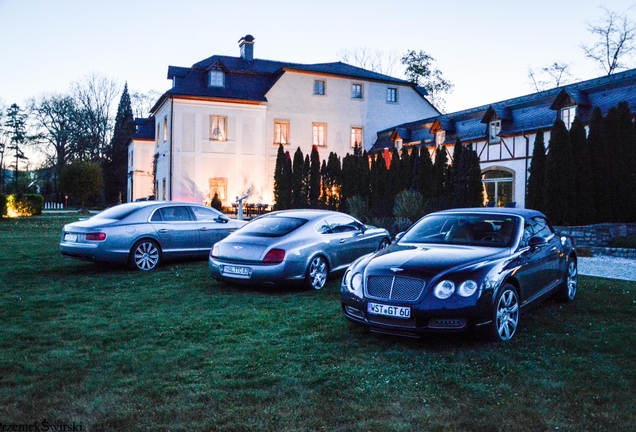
(244, 272)
(391, 311)
(70, 237)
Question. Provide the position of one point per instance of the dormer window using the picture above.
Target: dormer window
(217, 78)
(494, 127)
(440, 137)
(567, 115)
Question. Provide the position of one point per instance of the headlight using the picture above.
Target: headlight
(353, 283)
(444, 289)
(467, 288)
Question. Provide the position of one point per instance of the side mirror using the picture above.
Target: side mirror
(363, 228)
(536, 242)
(399, 236)
(222, 219)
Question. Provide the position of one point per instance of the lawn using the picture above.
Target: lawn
(109, 349)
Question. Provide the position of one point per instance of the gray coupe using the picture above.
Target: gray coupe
(142, 234)
(294, 246)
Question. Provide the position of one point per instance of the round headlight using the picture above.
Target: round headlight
(356, 282)
(444, 289)
(467, 288)
(346, 280)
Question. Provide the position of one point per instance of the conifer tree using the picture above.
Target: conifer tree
(606, 205)
(440, 177)
(624, 189)
(331, 180)
(116, 165)
(306, 170)
(536, 180)
(425, 175)
(314, 178)
(282, 184)
(378, 202)
(559, 187)
(394, 177)
(584, 200)
(469, 190)
(454, 168)
(287, 176)
(15, 127)
(597, 164)
(298, 175)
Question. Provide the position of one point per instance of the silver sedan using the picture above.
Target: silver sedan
(294, 247)
(142, 234)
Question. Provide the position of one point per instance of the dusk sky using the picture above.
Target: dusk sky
(483, 48)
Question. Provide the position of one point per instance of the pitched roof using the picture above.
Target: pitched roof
(530, 112)
(250, 80)
(145, 129)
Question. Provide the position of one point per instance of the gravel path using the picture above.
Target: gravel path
(608, 267)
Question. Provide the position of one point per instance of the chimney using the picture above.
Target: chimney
(246, 44)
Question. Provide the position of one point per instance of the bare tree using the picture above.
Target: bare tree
(94, 96)
(555, 75)
(384, 62)
(143, 102)
(616, 34)
(420, 70)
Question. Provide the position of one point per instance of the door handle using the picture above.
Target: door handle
(205, 229)
(343, 240)
(163, 231)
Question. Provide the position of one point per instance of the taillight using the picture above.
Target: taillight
(274, 256)
(96, 236)
(214, 252)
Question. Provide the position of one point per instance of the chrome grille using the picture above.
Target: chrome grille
(399, 288)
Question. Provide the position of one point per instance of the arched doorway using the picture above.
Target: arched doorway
(498, 187)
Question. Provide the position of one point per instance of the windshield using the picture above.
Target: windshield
(491, 230)
(273, 226)
(118, 212)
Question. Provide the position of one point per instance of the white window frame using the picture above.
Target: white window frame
(281, 132)
(392, 95)
(440, 137)
(357, 131)
(216, 78)
(218, 128)
(494, 127)
(567, 115)
(357, 94)
(317, 87)
(319, 136)
(165, 129)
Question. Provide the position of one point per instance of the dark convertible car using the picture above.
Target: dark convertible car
(460, 269)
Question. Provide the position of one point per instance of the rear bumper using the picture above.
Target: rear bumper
(286, 273)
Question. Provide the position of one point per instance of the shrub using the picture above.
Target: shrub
(216, 202)
(358, 208)
(3, 205)
(409, 204)
(24, 204)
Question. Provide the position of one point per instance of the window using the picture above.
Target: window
(163, 189)
(204, 213)
(499, 186)
(494, 127)
(319, 87)
(158, 140)
(320, 134)
(398, 144)
(356, 91)
(567, 115)
(218, 128)
(440, 137)
(281, 132)
(165, 129)
(391, 94)
(217, 78)
(218, 185)
(356, 137)
(537, 226)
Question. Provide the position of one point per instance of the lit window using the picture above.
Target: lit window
(320, 134)
(158, 140)
(356, 91)
(391, 94)
(163, 189)
(218, 128)
(217, 78)
(356, 137)
(165, 129)
(567, 115)
(281, 132)
(494, 128)
(440, 137)
(398, 144)
(319, 87)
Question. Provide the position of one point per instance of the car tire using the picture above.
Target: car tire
(385, 243)
(505, 318)
(317, 273)
(145, 255)
(567, 288)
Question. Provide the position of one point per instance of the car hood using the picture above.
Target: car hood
(430, 260)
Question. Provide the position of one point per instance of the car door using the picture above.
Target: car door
(212, 227)
(177, 231)
(348, 239)
(539, 262)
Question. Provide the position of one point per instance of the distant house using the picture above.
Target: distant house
(503, 133)
(141, 150)
(218, 129)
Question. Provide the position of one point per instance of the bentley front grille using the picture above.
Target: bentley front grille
(398, 288)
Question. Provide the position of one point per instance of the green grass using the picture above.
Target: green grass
(172, 350)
